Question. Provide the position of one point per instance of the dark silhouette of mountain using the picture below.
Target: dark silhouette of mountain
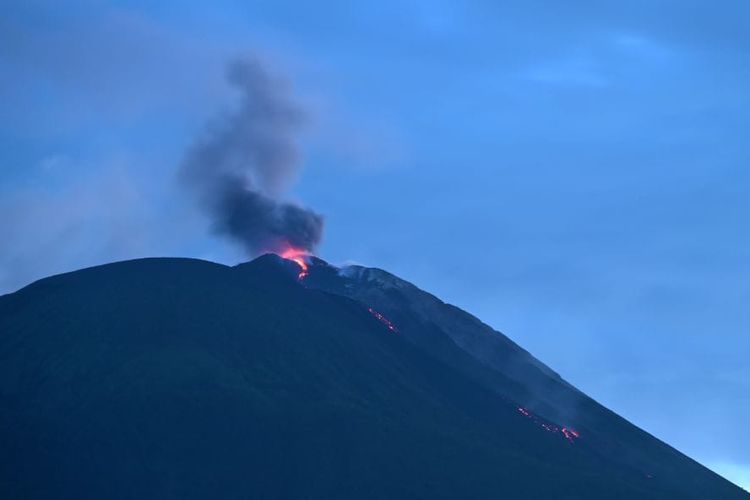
(180, 378)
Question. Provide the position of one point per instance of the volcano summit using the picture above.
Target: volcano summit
(284, 379)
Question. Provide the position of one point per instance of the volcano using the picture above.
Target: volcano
(285, 379)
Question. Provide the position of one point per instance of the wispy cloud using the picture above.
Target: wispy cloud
(93, 220)
(599, 62)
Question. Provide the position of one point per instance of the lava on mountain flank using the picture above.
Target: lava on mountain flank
(299, 257)
(383, 320)
(568, 433)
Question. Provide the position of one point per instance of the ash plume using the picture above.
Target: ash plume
(242, 166)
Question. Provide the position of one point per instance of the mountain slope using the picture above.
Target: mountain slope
(514, 374)
(178, 378)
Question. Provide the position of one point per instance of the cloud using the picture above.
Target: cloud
(84, 223)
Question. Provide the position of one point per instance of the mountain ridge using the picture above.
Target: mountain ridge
(198, 379)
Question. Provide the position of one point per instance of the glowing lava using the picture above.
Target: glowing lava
(383, 320)
(299, 257)
(568, 433)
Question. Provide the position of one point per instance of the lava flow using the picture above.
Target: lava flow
(298, 256)
(568, 433)
(383, 320)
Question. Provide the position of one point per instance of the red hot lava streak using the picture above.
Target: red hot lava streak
(568, 433)
(298, 256)
(383, 320)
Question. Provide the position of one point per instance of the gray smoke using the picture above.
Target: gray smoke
(239, 170)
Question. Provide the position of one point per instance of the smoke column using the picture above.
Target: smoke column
(240, 168)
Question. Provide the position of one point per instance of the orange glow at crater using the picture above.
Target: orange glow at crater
(299, 257)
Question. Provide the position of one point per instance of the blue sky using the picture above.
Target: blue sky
(574, 173)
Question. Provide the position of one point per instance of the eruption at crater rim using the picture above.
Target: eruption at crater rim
(299, 257)
(240, 167)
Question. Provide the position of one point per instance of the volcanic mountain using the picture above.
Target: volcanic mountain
(179, 378)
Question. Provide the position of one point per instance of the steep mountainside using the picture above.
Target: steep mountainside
(513, 374)
(179, 378)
